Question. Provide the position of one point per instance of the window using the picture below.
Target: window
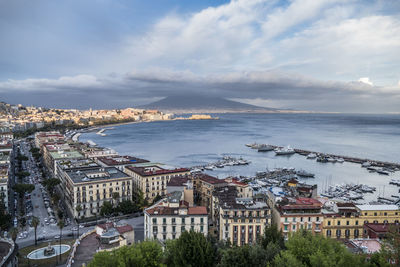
(328, 233)
(192, 220)
(317, 219)
(164, 229)
(174, 229)
(173, 220)
(286, 219)
(155, 230)
(285, 227)
(338, 233)
(356, 233)
(294, 219)
(301, 219)
(366, 213)
(183, 220)
(385, 213)
(294, 227)
(309, 219)
(173, 236)
(329, 222)
(164, 220)
(192, 228)
(235, 229)
(338, 222)
(201, 228)
(356, 222)
(164, 237)
(183, 229)
(347, 222)
(347, 233)
(201, 220)
(375, 214)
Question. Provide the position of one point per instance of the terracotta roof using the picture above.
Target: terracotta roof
(178, 181)
(197, 210)
(381, 227)
(124, 228)
(210, 179)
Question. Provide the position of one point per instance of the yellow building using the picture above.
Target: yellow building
(379, 213)
(342, 220)
(239, 220)
(152, 180)
(90, 187)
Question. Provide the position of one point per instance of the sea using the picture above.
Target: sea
(187, 143)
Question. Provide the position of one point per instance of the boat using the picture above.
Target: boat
(366, 164)
(340, 160)
(382, 172)
(284, 151)
(322, 159)
(210, 168)
(303, 173)
(311, 156)
(332, 160)
(265, 148)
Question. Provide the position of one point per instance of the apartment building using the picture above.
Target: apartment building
(239, 220)
(379, 213)
(204, 186)
(53, 153)
(342, 220)
(171, 216)
(4, 184)
(89, 187)
(243, 189)
(48, 137)
(293, 214)
(152, 180)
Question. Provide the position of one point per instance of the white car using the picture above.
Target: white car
(81, 226)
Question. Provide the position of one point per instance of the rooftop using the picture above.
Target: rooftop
(178, 181)
(66, 155)
(66, 164)
(155, 170)
(227, 197)
(94, 174)
(209, 179)
(377, 207)
(381, 227)
(120, 160)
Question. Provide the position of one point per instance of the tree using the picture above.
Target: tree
(106, 209)
(272, 235)
(34, 150)
(78, 209)
(14, 233)
(60, 225)
(190, 249)
(126, 207)
(35, 223)
(243, 256)
(156, 199)
(21, 189)
(115, 197)
(51, 183)
(5, 218)
(139, 200)
(391, 246)
(144, 254)
(305, 249)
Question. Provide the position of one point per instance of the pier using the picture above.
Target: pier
(375, 163)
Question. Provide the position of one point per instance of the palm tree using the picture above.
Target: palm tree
(14, 233)
(60, 225)
(35, 223)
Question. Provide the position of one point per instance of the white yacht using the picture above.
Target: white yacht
(285, 151)
(311, 156)
(265, 148)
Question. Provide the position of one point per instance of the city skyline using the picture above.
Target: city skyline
(308, 55)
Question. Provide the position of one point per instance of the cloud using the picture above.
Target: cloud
(366, 81)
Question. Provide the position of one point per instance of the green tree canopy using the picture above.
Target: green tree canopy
(106, 209)
(21, 189)
(191, 249)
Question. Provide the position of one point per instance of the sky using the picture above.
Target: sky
(325, 55)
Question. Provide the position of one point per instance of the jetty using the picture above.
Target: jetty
(374, 163)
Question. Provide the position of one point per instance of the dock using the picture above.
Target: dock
(375, 163)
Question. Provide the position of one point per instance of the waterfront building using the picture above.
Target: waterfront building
(341, 220)
(48, 137)
(152, 180)
(171, 216)
(52, 153)
(379, 213)
(120, 162)
(238, 220)
(95, 151)
(184, 185)
(293, 214)
(204, 185)
(89, 187)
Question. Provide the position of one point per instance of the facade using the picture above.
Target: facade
(111, 233)
(170, 217)
(239, 220)
(53, 153)
(152, 180)
(48, 137)
(379, 213)
(342, 220)
(243, 189)
(95, 152)
(293, 214)
(120, 162)
(4, 184)
(89, 187)
(204, 185)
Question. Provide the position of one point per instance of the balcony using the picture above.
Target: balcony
(318, 222)
(286, 223)
(317, 230)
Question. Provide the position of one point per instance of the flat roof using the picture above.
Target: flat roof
(66, 164)
(377, 207)
(120, 160)
(95, 174)
(66, 154)
(155, 170)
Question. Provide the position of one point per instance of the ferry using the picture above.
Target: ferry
(284, 151)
